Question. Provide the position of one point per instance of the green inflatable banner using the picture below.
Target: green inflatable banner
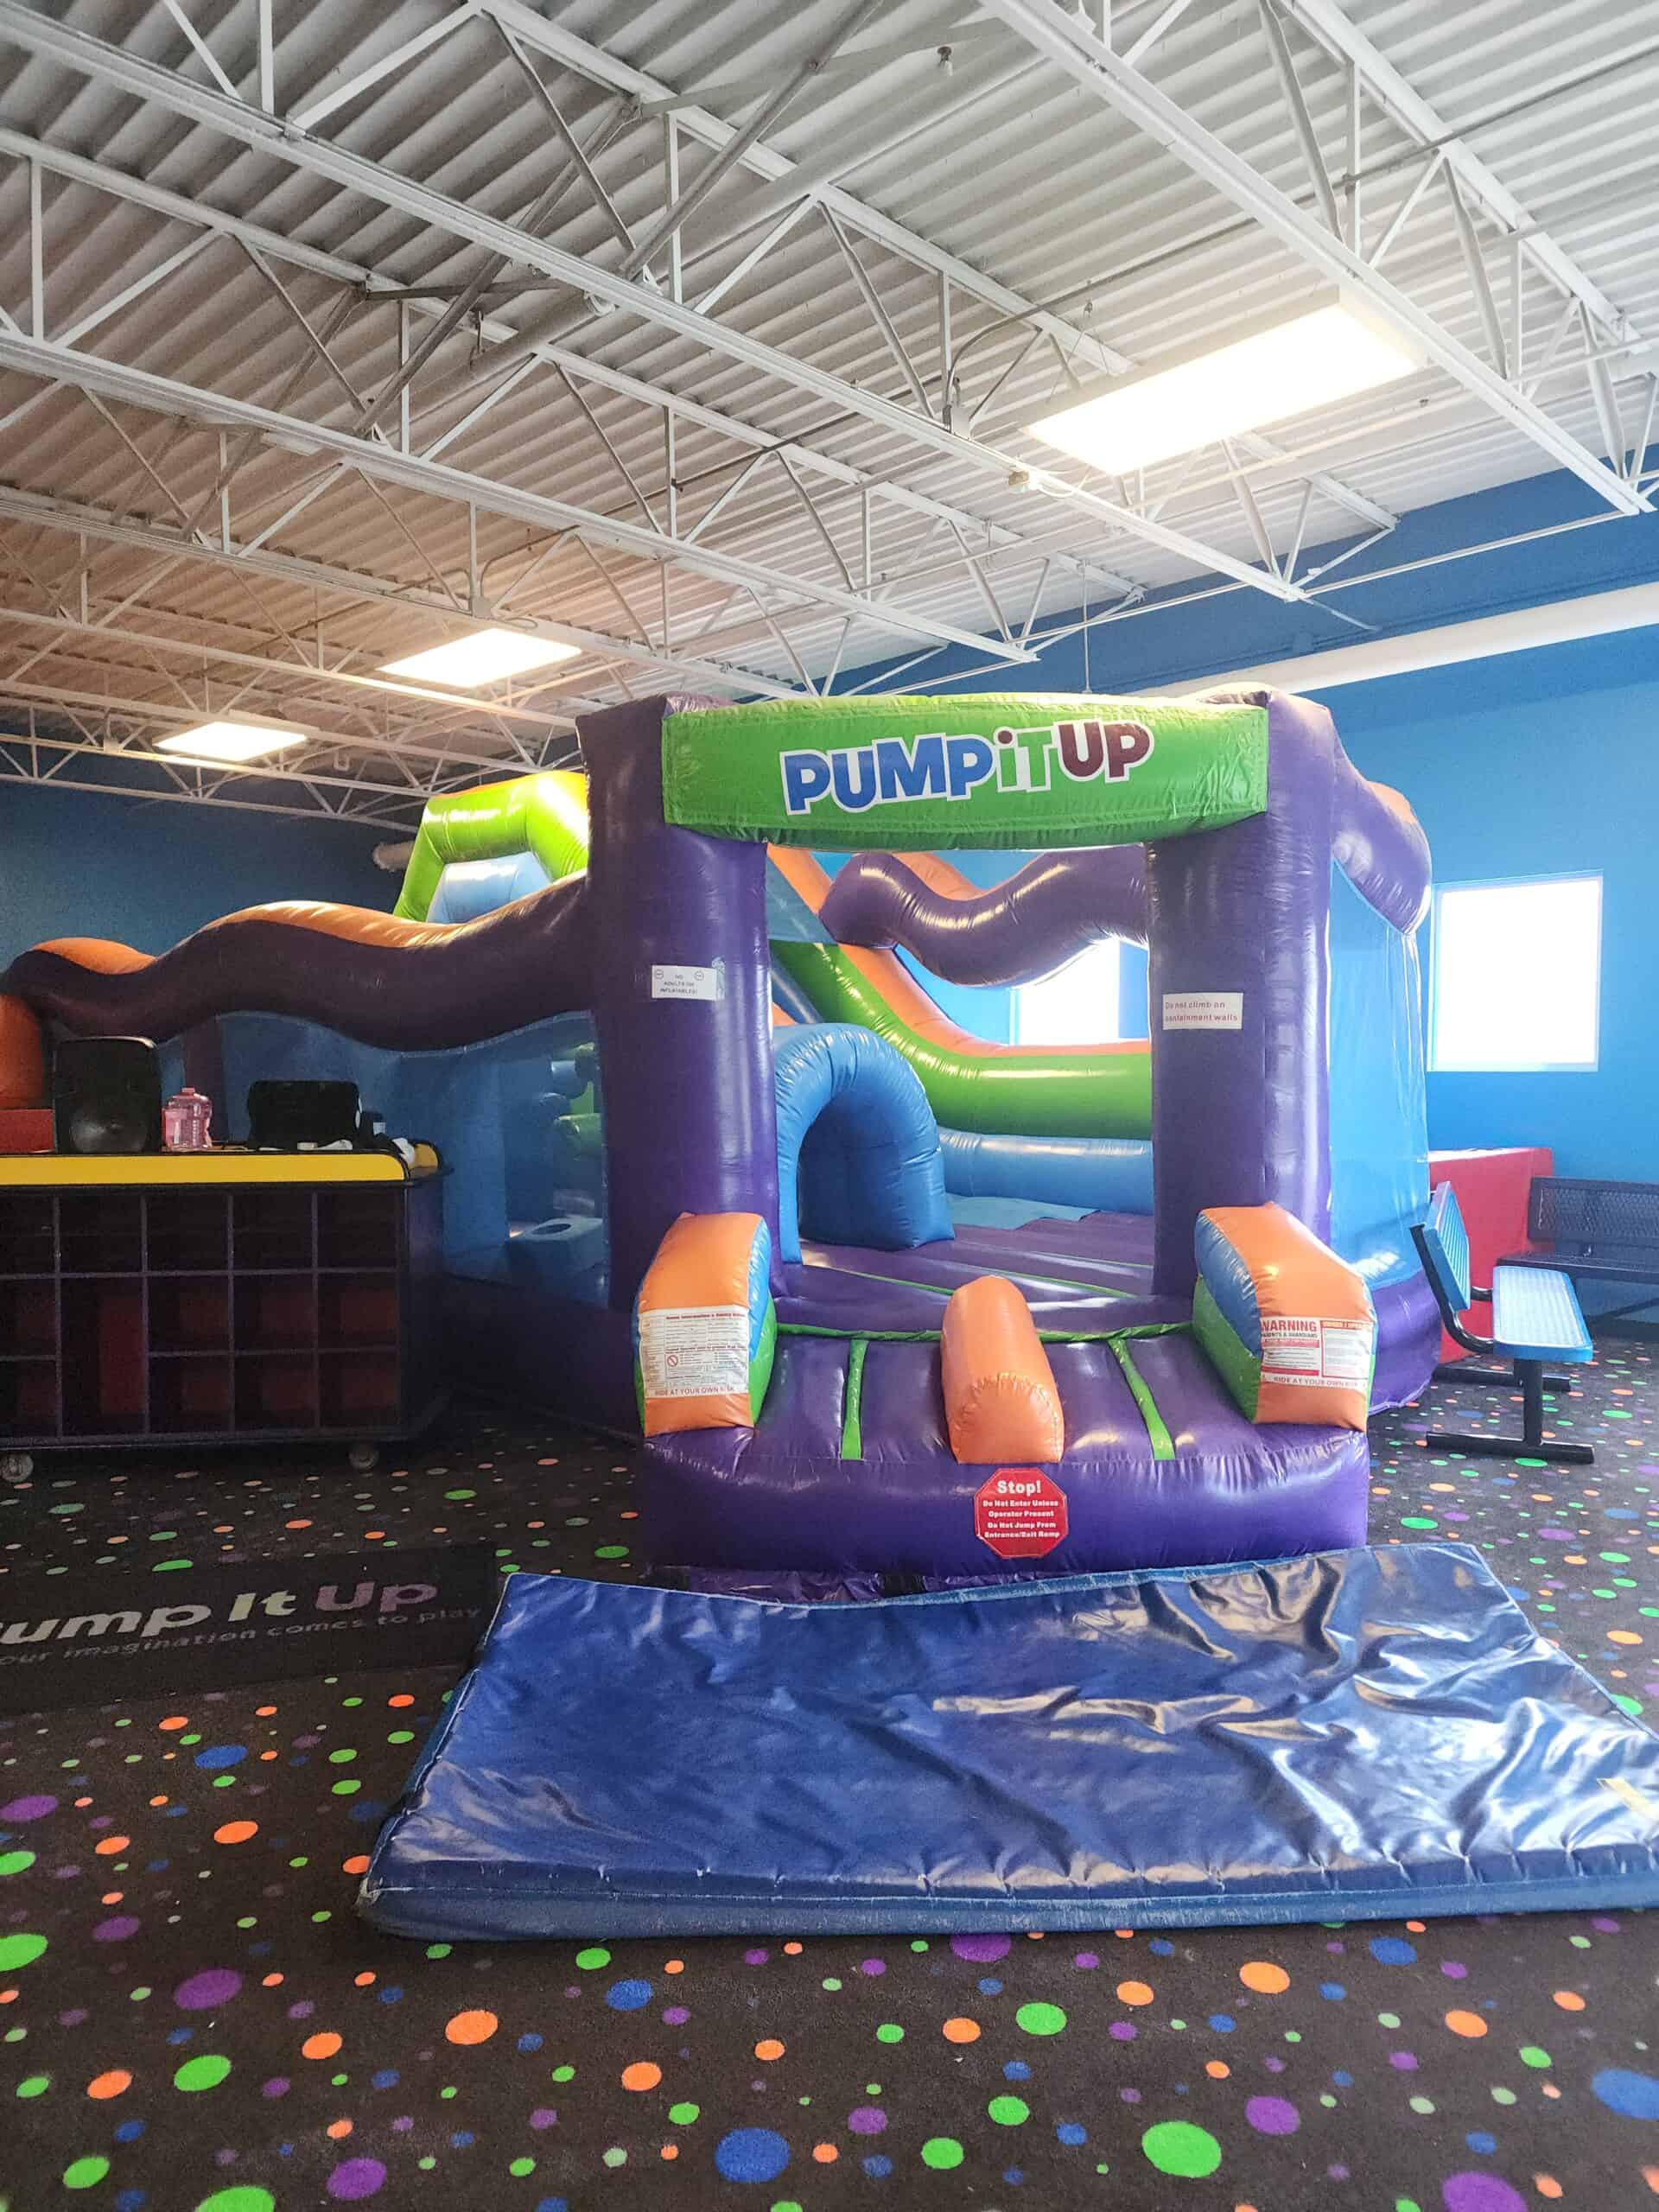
(1010, 769)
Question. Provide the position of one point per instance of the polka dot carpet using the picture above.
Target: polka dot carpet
(192, 2019)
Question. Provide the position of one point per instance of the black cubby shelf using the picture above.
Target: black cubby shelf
(145, 1311)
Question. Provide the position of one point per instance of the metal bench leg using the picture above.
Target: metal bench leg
(1465, 1370)
(1531, 1442)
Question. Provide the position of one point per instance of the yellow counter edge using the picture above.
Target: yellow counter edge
(36, 1170)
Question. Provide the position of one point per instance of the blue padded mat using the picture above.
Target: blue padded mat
(1356, 1734)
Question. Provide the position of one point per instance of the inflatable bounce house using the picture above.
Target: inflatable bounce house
(720, 1166)
(899, 1312)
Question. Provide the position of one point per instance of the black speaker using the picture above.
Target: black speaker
(106, 1094)
(284, 1115)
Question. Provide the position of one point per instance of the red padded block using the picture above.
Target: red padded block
(25, 1128)
(1492, 1189)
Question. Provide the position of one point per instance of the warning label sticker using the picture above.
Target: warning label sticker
(694, 1352)
(1019, 1513)
(1312, 1354)
(678, 982)
(1203, 1009)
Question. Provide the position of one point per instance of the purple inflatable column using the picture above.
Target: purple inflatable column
(686, 1083)
(1240, 1114)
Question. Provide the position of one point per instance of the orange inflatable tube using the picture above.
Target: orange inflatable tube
(1001, 1405)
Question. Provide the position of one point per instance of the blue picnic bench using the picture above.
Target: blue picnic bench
(1535, 1319)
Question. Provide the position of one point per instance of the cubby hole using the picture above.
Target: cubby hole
(357, 1228)
(101, 1232)
(275, 1313)
(360, 1389)
(275, 1389)
(26, 1237)
(28, 1319)
(273, 1229)
(358, 1309)
(189, 1313)
(104, 1356)
(187, 1231)
(29, 1397)
(190, 1394)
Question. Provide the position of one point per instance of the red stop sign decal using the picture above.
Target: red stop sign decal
(1019, 1513)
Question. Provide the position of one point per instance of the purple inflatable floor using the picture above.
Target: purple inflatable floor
(1104, 1255)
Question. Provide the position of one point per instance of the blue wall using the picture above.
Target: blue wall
(1530, 764)
(82, 864)
(1538, 764)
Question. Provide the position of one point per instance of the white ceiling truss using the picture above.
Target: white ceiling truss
(327, 333)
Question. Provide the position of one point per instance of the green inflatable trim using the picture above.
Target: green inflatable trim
(1009, 769)
(546, 815)
(766, 1352)
(1032, 1094)
(851, 1430)
(1163, 1443)
(1237, 1365)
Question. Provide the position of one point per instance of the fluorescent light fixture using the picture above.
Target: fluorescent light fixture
(233, 741)
(1329, 352)
(466, 664)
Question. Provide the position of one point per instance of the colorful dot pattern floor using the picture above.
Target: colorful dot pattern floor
(193, 2020)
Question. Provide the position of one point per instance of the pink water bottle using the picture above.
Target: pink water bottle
(185, 1121)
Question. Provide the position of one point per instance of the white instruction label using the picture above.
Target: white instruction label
(1203, 1009)
(680, 983)
(1311, 1354)
(694, 1352)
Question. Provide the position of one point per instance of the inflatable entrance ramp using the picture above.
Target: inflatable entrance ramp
(1350, 1735)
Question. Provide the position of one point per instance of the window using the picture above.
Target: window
(1078, 1004)
(1516, 974)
